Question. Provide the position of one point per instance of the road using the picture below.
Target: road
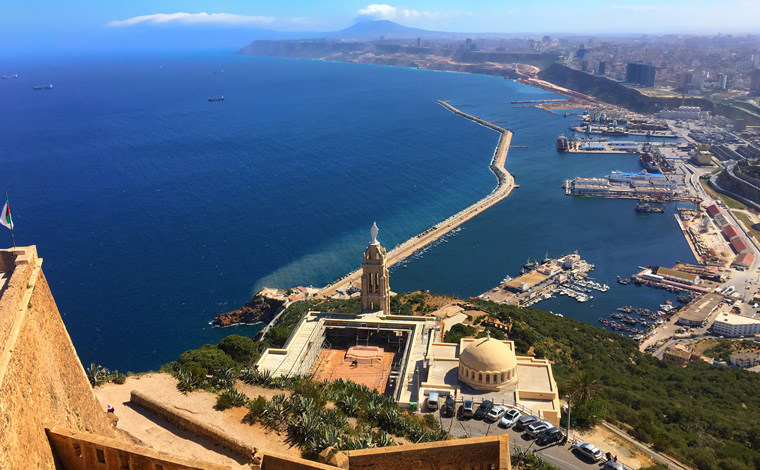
(561, 456)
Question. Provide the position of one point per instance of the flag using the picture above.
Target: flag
(5, 217)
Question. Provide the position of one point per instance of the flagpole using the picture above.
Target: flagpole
(13, 235)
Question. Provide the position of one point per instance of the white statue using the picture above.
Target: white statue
(373, 231)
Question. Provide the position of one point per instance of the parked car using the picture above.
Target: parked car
(483, 409)
(510, 418)
(612, 465)
(587, 450)
(496, 413)
(524, 421)
(536, 428)
(449, 407)
(468, 409)
(550, 436)
(432, 402)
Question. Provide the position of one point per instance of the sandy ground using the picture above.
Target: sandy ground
(159, 434)
(605, 440)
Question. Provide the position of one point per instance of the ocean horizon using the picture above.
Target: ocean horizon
(157, 210)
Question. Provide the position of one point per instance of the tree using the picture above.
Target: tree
(241, 349)
(208, 357)
(582, 385)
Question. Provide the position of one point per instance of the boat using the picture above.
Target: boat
(221, 98)
(6, 77)
(648, 162)
(43, 87)
(562, 144)
(547, 258)
(567, 114)
(622, 281)
(646, 207)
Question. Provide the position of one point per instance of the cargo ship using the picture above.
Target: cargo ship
(221, 98)
(648, 162)
(646, 207)
(562, 144)
(43, 87)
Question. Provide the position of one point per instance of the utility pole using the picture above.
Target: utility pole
(569, 405)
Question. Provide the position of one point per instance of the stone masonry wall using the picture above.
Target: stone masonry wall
(477, 453)
(42, 382)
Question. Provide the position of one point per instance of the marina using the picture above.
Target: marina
(567, 275)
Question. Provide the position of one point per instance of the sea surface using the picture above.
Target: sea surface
(155, 210)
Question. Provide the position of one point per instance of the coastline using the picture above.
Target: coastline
(506, 184)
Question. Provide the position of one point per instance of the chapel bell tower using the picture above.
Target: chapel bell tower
(376, 292)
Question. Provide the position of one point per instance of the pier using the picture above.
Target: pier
(506, 184)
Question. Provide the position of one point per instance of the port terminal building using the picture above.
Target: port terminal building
(735, 326)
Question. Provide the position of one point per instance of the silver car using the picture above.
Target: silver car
(510, 418)
(589, 451)
(535, 429)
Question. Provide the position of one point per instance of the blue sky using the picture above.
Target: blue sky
(56, 20)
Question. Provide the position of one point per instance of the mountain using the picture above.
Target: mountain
(373, 29)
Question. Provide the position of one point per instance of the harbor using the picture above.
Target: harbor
(628, 185)
(411, 248)
(566, 275)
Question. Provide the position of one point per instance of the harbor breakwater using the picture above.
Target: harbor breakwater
(506, 184)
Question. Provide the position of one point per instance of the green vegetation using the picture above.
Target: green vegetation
(457, 332)
(745, 220)
(315, 426)
(241, 349)
(278, 335)
(99, 375)
(523, 459)
(708, 415)
(728, 200)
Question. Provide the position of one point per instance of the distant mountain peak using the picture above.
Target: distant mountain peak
(373, 29)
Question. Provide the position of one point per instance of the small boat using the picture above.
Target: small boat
(221, 98)
(49, 86)
(562, 144)
(622, 281)
(7, 77)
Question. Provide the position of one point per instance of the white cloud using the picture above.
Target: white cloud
(196, 18)
(388, 12)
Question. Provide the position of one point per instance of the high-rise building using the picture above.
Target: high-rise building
(584, 65)
(419, 42)
(754, 84)
(376, 291)
(602, 67)
(722, 81)
(640, 74)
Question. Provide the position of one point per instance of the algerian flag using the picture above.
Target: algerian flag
(5, 216)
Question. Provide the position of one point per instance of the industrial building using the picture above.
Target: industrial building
(743, 261)
(699, 311)
(685, 113)
(735, 326)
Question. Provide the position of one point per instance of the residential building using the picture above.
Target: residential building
(735, 326)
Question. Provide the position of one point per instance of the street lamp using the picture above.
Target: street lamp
(569, 404)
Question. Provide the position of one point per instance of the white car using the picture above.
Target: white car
(496, 413)
(535, 429)
(589, 451)
(510, 418)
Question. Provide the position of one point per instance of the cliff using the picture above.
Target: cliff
(258, 309)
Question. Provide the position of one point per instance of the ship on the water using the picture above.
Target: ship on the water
(43, 87)
(647, 207)
(6, 77)
(562, 144)
(221, 98)
(648, 163)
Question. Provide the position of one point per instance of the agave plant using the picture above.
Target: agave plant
(225, 378)
(383, 439)
(349, 404)
(186, 380)
(97, 374)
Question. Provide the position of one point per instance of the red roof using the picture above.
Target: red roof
(739, 244)
(714, 209)
(729, 231)
(745, 259)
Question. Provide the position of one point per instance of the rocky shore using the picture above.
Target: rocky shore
(258, 309)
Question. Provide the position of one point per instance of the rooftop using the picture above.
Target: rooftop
(733, 319)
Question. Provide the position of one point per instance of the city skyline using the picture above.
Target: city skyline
(77, 22)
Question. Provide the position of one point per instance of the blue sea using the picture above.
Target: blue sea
(155, 210)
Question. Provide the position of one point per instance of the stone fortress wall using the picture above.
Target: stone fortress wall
(42, 382)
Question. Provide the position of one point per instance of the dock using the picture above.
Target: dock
(566, 275)
(506, 184)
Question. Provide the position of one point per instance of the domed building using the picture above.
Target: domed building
(488, 368)
(488, 364)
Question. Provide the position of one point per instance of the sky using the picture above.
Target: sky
(74, 22)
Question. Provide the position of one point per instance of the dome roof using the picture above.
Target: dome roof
(488, 355)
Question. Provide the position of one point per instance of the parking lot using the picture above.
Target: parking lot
(559, 455)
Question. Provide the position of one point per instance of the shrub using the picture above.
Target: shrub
(209, 357)
(241, 349)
